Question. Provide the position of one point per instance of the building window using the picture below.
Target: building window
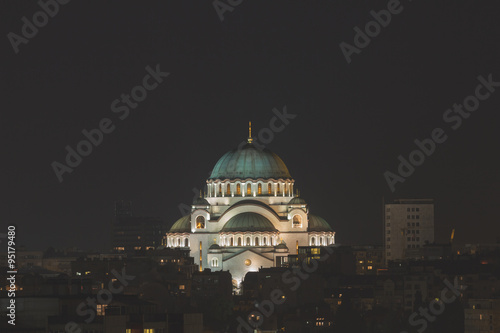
(215, 262)
(264, 241)
(407, 209)
(228, 189)
(418, 209)
(259, 189)
(220, 190)
(238, 189)
(408, 216)
(388, 224)
(248, 241)
(186, 242)
(418, 224)
(269, 189)
(388, 217)
(231, 242)
(239, 241)
(278, 190)
(388, 239)
(257, 241)
(388, 246)
(388, 232)
(297, 221)
(388, 209)
(418, 217)
(313, 241)
(200, 222)
(249, 189)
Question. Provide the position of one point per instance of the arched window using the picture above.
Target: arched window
(269, 189)
(200, 222)
(278, 189)
(186, 242)
(264, 241)
(239, 241)
(257, 241)
(231, 242)
(220, 190)
(228, 190)
(259, 189)
(248, 241)
(313, 241)
(178, 242)
(215, 262)
(297, 221)
(249, 189)
(238, 189)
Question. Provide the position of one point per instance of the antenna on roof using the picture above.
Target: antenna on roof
(250, 140)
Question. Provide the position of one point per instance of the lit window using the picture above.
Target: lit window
(182, 287)
(297, 221)
(239, 241)
(231, 243)
(248, 241)
(259, 189)
(228, 189)
(249, 189)
(257, 241)
(200, 222)
(238, 189)
(269, 189)
(215, 262)
(220, 190)
(278, 188)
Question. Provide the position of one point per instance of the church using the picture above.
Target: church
(250, 217)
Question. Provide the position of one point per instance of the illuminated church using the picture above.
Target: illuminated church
(249, 217)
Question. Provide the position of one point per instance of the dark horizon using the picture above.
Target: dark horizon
(352, 121)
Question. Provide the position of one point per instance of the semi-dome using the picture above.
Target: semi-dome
(297, 201)
(182, 225)
(317, 223)
(250, 162)
(248, 222)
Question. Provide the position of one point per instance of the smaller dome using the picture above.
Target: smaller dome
(317, 223)
(182, 225)
(214, 248)
(201, 202)
(248, 222)
(281, 247)
(297, 201)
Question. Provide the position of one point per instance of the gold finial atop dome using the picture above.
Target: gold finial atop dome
(250, 140)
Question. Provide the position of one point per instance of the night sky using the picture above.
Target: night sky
(352, 120)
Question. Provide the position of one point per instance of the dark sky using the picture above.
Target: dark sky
(353, 120)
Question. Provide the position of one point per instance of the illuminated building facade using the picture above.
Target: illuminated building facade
(250, 217)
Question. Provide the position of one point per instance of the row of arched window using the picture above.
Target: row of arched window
(250, 189)
(177, 242)
(248, 240)
(321, 240)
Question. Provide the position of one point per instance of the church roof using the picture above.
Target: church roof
(182, 225)
(250, 162)
(248, 222)
(317, 223)
(297, 201)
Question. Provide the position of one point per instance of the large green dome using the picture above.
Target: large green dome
(182, 225)
(250, 162)
(248, 222)
(317, 223)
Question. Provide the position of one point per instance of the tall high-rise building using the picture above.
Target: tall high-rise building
(408, 223)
